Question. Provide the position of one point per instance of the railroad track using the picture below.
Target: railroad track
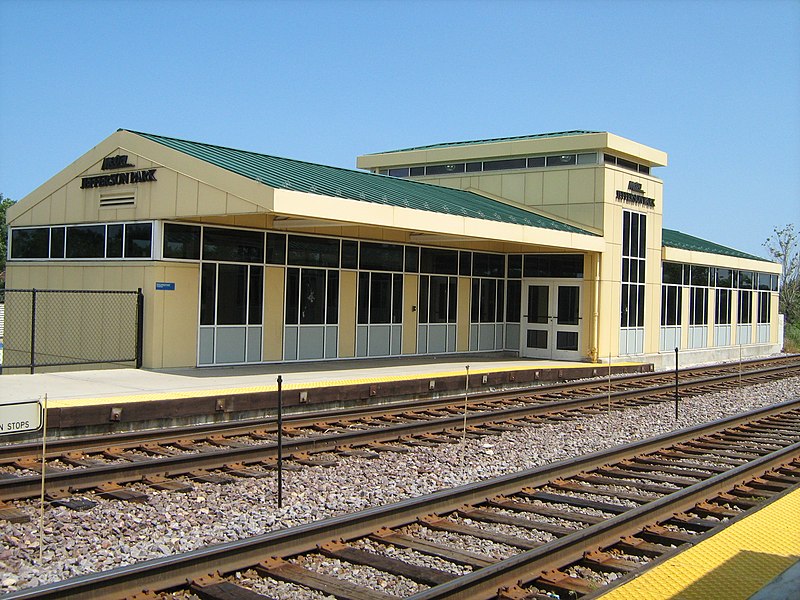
(559, 529)
(165, 459)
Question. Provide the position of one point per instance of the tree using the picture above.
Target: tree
(4, 204)
(782, 246)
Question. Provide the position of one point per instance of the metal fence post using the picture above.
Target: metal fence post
(139, 327)
(33, 330)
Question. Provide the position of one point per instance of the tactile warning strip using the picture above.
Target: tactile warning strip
(733, 564)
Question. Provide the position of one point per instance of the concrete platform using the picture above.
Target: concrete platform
(755, 558)
(117, 400)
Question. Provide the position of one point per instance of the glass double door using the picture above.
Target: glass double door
(551, 320)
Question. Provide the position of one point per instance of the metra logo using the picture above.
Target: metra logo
(120, 161)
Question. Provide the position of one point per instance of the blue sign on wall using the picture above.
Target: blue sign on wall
(165, 285)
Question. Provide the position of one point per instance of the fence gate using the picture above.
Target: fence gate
(48, 328)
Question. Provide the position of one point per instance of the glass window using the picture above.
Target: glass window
(114, 235)
(670, 305)
(536, 161)
(417, 171)
(349, 254)
(57, 235)
(208, 286)
(764, 282)
(672, 273)
(513, 300)
(560, 160)
(381, 257)
(276, 248)
(412, 259)
(553, 265)
(86, 241)
(434, 260)
(644, 169)
(439, 302)
(30, 243)
(313, 286)
(474, 167)
(515, 266)
(724, 278)
(235, 245)
(746, 280)
(255, 307)
(475, 301)
(292, 296)
(332, 301)
(380, 298)
(138, 240)
(444, 169)
(745, 310)
(399, 172)
(567, 310)
(698, 306)
(773, 279)
(232, 294)
(488, 265)
(699, 275)
(610, 159)
(627, 164)
(313, 251)
(397, 298)
(422, 307)
(722, 307)
(181, 241)
(362, 312)
(589, 158)
(501, 165)
(488, 300)
(764, 301)
(465, 263)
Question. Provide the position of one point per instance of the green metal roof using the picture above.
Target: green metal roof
(535, 136)
(675, 239)
(288, 174)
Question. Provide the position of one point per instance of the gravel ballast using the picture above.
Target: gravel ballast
(114, 533)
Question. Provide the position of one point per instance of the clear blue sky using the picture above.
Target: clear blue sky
(714, 84)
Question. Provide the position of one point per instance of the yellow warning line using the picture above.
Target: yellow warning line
(287, 385)
(731, 565)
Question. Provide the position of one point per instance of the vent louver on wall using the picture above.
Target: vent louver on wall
(117, 200)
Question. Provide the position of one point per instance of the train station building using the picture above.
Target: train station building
(545, 246)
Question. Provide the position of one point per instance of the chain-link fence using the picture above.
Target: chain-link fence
(47, 328)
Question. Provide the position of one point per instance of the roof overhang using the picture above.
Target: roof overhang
(301, 209)
(694, 257)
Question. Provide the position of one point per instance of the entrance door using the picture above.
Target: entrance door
(551, 321)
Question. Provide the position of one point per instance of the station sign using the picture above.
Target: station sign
(20, 417)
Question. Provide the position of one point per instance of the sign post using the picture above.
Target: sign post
(24, 417)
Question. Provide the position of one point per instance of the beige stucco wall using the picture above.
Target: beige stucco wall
(347, 313)
(170, 317)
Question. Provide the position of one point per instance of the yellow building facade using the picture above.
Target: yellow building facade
(547, 246)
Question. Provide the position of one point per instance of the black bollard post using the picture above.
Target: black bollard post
(676, 384)
(280, 442)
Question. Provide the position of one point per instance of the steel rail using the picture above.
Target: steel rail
(175, 571)
(524, 568)
(85, 478)
(9, 452)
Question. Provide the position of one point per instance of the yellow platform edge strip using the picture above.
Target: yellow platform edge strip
(288, 386)
(731, 565)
